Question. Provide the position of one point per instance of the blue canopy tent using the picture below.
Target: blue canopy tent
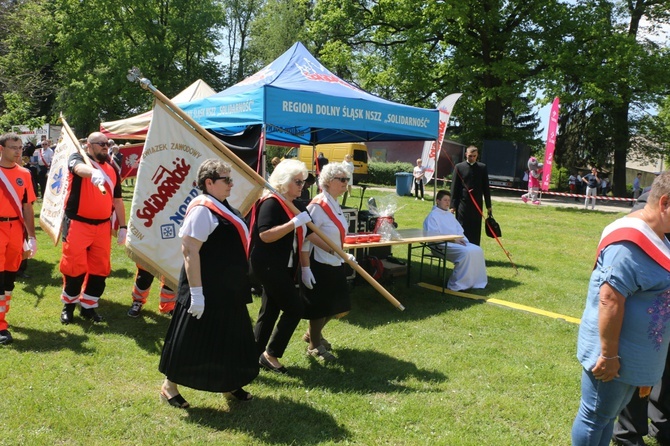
(300, 102)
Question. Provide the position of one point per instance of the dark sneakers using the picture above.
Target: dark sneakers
(67, 314)
(91, 315)
(5, 337)
(135, 309)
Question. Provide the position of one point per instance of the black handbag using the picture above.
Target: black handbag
(492, 227)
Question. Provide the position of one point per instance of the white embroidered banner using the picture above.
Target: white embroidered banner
(166, 184)
(53, 204)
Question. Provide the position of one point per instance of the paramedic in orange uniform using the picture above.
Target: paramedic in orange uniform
(17, 221)
(87, 228)
(141, 288)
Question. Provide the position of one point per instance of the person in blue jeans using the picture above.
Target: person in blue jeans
(624, 332)
(646, 415)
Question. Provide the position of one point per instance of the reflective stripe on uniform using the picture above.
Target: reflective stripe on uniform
(88, 301)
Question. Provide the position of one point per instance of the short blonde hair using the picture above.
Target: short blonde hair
(285, 172)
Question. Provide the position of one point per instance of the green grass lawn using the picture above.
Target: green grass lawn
(446, 371)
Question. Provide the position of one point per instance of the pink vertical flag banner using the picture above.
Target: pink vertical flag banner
(431, 149)
(551, 145)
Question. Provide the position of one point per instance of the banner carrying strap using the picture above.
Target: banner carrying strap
(108, 181)
(635, 230)
(322, 201)
(225, 213)
(16, 204)
(11, 192)
(41, 153)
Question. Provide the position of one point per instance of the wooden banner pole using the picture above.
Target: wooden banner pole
(146, 84)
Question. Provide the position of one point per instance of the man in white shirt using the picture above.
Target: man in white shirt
(45, 156)
(468, 258)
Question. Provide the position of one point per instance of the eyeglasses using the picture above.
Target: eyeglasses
(227, 180)
(299, 182)
(341, 179)
(101, 144)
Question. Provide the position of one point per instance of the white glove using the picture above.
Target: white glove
(197, 307)
(121, 236)
(352, 258)
(301, 219)
(307, 277)
(97, 177)
(33, 246)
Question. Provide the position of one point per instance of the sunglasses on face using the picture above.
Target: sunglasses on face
(227, 180)
(101, 144)
(341, 179)
(299, 182)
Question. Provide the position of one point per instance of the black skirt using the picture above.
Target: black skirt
(330, 295)
(217, 352)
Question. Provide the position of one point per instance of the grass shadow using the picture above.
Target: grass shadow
(283, 418)
(344, 375)
(148, 330)
(581, 210)
(122, 273)
(507, 264)
(42, 275)
(43, 341)
(370, 309)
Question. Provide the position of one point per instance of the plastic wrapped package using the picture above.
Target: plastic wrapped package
(384, 211)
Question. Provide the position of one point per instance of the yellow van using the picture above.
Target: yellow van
(335, 154)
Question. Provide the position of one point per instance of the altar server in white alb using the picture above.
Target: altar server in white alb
(468, 258)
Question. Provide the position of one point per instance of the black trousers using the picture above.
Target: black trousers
(279, 295)
(471, 220)
(632, 426)
(418, 187)
(42, 175)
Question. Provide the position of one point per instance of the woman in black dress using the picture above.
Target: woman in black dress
(323, 273)
(276, 239)
(210, 343)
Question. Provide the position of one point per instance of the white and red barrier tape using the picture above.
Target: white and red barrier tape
(558, 194)
(565, 194)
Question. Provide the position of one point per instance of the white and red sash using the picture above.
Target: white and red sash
(300, 231)
(41, 153)
(11, 192)
(637, 231)
(322, 200)
(225, 213)
(16, 204)
(108, 181)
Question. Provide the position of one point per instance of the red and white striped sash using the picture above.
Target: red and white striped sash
(636, 231)
(225, 213)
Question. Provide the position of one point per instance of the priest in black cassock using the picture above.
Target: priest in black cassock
(471, 176)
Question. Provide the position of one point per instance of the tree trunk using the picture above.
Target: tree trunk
(493, 117)
(621, 140)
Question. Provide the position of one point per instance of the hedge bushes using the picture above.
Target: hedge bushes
(384, 173)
